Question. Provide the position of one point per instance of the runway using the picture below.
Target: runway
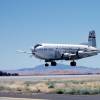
(9, 98)
(43, 78)
(14, 96)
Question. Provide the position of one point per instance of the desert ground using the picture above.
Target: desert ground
(79, 85)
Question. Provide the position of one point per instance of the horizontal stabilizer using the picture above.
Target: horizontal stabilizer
(84, 43)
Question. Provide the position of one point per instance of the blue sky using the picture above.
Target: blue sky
(23, 23)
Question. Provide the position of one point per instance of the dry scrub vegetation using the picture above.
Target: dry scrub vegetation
(89, 85)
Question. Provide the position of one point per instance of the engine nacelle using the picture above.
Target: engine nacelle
(68, 55)
(80, 52)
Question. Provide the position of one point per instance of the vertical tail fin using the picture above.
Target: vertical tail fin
(92, 38)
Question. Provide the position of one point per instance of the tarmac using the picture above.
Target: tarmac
(41, 96)
(8, 98)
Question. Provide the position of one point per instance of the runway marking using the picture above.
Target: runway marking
(8, 98)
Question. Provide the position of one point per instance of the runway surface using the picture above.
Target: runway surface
(8, 98)
(13, 96)
(42, 78)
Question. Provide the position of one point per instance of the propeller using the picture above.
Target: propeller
(21, 51)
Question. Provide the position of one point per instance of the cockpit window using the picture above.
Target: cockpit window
(37, 45)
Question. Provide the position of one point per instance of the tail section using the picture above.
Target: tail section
(92, 38)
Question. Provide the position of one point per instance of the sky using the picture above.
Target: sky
(24, 23)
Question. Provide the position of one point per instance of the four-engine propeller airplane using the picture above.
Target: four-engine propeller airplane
(52, 52)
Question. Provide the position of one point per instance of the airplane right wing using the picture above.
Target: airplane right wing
(79, 54)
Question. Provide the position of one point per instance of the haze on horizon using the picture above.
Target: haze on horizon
(23, 23)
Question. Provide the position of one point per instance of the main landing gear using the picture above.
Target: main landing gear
(46, 64)
(73, 63)
(53, 63)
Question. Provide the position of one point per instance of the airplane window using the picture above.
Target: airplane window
(37, 45)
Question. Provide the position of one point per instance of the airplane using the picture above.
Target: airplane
(53, 52)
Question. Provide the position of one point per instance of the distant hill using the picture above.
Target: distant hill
(59, 69)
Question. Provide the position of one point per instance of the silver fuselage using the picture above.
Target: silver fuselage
(69, 51)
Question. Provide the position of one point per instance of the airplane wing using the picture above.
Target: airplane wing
(79, 54)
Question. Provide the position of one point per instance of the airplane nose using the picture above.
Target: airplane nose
(35, 48)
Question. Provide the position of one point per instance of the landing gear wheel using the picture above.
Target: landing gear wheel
(53, 63)
(46, 64)
(73, 63)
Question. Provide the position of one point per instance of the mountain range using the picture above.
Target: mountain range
(60, 69)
